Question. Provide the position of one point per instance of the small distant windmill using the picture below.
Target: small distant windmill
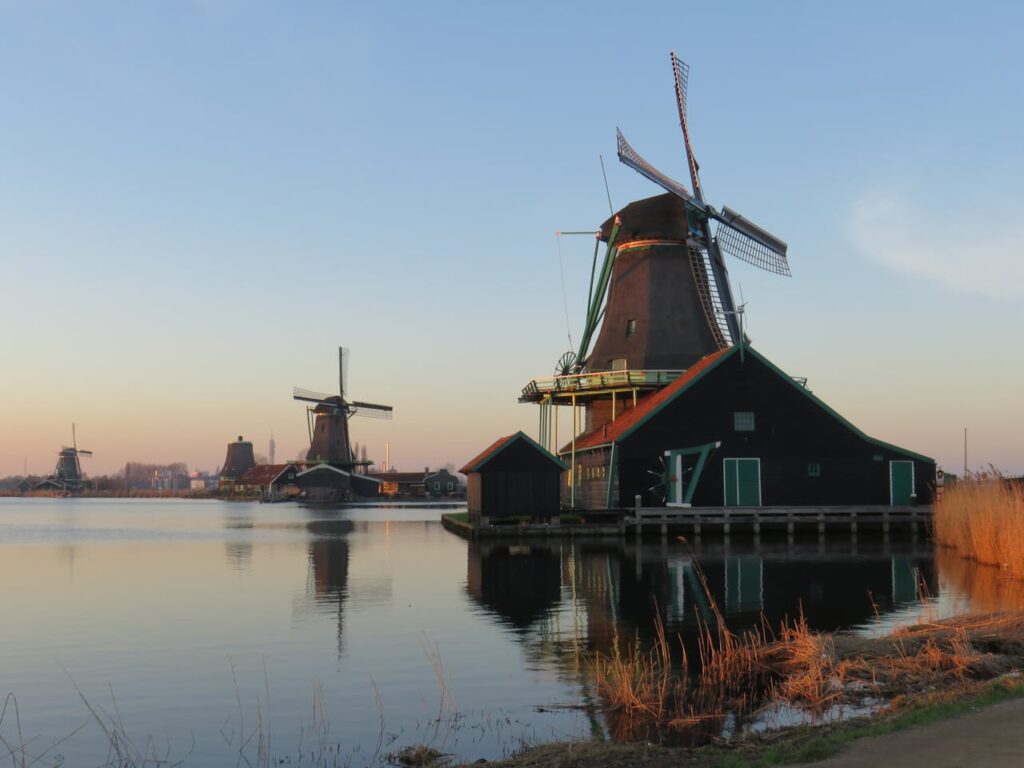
(327, 421)
(734, 234)
(68, 473)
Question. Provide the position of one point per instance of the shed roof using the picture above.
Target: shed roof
(632, 419)
(499, 445)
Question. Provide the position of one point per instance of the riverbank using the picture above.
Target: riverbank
(916, 733)
(916, 676)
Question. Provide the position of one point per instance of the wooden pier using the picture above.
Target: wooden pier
(724, 522)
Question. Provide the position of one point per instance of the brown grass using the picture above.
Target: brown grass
(647, 696)
(983, 518)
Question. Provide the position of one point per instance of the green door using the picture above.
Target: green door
(742, 482)
(901, 482)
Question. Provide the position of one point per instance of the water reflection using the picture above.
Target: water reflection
(589, 593)
(328, 563)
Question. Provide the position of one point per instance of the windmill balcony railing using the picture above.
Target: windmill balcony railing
(597, 381)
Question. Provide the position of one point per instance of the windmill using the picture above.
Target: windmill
(660, 297)
(668, 296)
(327, 420)
(68, 473)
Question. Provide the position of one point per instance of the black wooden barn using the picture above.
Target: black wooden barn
(735, 430)
(513, 477)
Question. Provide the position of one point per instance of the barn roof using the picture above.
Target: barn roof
(499, 445)
(264, 474)
(632, 419)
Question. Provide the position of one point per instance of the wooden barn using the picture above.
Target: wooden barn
(735, 430)
(328, 483)
(513, 477)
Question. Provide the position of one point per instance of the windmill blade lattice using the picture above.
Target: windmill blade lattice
(748, 242)
(298, 393)
(629, 156)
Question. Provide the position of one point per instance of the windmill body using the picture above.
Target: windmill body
(330, 441)
(649, 323)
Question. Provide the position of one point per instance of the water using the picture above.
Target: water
(205, 630)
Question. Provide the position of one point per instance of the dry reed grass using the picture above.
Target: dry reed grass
(982, 517)
(649, 696)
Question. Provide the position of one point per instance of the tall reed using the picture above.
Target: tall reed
(983, 518)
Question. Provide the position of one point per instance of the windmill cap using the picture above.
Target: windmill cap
(661, 216)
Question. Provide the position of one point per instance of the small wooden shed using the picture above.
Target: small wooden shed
(514, 477)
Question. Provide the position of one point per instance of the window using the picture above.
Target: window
(618, 364)
(814, 470)
(451, 485)
(743, 421)
(630, 327)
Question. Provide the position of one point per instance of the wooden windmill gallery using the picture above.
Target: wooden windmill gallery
(671, 405)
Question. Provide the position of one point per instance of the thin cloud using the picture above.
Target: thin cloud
(981, 255)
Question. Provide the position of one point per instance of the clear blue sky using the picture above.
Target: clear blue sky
(200, 201)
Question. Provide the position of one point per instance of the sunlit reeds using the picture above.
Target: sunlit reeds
(983, 518)
(650, 694)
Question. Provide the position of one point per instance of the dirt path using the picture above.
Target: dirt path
(992, 737)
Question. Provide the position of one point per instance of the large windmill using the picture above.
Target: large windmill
(663, 264)
(661, 297)
(327, 420)
(68, 473)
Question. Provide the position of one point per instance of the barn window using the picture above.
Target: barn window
(814, 470)
(743, 421)
(630, 327)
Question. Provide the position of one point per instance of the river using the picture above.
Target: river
(213, 633)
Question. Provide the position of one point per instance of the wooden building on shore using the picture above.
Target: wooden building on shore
(735, 430)
(514, 477)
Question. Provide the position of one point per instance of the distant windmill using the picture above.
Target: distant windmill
(327, 421)
(68, 472)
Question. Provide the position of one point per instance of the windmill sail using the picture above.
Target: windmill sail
(745, 240)
(629, 156)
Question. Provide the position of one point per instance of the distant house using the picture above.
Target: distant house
(735, 430)
(269, 481)
(513, 477)
(406, 484)
(441, 483)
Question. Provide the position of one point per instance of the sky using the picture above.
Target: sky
(200, 201)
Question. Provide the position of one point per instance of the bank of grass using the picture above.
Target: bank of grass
(808, 744)
(790, 746)
(982, 517)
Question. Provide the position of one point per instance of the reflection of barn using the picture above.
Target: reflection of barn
(735, 430)
(518, 583)
(592, 592)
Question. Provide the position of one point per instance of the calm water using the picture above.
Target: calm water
(203, 629)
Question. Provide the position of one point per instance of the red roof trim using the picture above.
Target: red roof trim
(487, 452)
(609, 433)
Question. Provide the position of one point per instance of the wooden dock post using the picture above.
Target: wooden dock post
(636, 513)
